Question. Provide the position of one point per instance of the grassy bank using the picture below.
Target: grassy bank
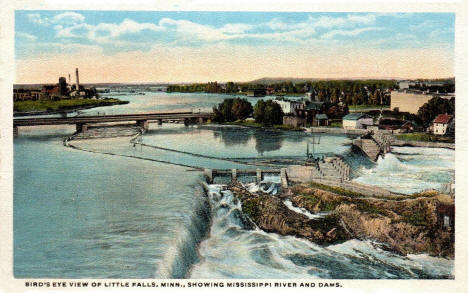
(368, 107)
(426, 137)
(69, 104)
(260, 125)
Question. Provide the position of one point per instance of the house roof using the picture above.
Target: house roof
(315, 106)
(392, 122)
(443, 118)
(355, 116)
(321, 116)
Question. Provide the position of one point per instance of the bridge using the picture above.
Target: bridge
(141, 120)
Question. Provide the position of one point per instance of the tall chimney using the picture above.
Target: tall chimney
(69, 79)
(77, 81)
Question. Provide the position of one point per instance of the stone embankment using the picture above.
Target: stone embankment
(414, 225)
(331, 167)
(368, 147)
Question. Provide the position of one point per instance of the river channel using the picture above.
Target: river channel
(119, 210)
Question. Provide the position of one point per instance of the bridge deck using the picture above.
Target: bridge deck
(109, 118)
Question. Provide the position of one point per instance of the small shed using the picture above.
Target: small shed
(321, 120)
(357, 121)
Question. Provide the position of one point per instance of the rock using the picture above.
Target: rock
(409, 226)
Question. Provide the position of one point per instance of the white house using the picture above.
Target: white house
(357, 121)
(289, 106)
(442, 123)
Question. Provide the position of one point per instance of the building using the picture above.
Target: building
(309, 111)
(396, 125)
(446, 216)
(294, 121)
(443, 124)
(289, 106)
(63, 87)
(408, 101)
(357, 121)
(404, 84)
(321, 120)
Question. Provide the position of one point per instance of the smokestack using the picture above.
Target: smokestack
(69, 79)
(77, 81)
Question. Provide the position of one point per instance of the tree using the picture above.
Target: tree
(434, 107)
(268, 113)
(232, 109)
(241, 109)
(259, 111)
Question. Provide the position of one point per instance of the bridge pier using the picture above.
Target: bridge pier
(159, 121)
(143, 124)
(234, 174)
(186, 122)
(259, 175)
(209, 175)
(81, 127)
(284, 178)
(15, 131)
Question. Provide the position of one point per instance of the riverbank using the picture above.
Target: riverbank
(410, 226)
(27, 108)
(254, 124)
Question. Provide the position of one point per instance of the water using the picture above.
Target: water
(409, 170)
(238, 249)
(118, 210)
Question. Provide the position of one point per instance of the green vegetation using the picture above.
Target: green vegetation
(369, 208)
(429, 193)
(288, 127)
(352, 92)
(338, 124)
(330, 204)
(337, 190)
(434, 107)
(232, 109)
(48, 105)
(255, 124)
(327, 206)
(419, 136)
(366, 107)
(415, 217)
(268, 112)
(245, 123)
(250, 207)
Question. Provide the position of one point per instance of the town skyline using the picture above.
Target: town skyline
(175, 47)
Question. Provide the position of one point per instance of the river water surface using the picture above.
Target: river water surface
(118, 210)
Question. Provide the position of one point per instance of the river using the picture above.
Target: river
(118, 210)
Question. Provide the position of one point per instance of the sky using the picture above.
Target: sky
(155, 46)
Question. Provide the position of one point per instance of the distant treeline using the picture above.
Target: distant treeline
(352, 92)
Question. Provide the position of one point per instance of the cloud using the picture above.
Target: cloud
(104, 32)
(68, 18)
(191, 30)
(37, 19)
(65, 18)
(26, 36)
(348, 33)
(364, 19)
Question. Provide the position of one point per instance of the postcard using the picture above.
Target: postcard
(219, 148)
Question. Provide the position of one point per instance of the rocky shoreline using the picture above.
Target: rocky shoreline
(407, 226)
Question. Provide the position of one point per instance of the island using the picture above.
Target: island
(413, 224)
(60, 98)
